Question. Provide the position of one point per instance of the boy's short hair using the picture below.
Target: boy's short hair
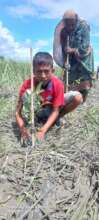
(42, 58)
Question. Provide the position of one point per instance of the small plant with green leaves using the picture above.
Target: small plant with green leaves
(27, 102)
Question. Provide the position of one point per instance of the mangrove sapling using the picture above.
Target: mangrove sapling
(26, 113)
(27, 102)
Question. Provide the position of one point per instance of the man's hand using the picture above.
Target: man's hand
(71, 51)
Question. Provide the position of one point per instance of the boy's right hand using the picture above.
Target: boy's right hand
(24, 133)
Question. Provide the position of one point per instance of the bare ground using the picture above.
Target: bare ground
(59, 178)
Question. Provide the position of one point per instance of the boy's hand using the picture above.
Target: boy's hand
(40, 134)
(25, 133)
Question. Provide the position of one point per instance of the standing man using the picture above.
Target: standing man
(79, 51)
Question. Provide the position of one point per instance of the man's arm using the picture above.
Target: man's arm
(82, 41)
(52, 118)
(19, 119)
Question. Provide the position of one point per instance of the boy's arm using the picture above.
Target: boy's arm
(52, 118)
(19, 119)
(58, 101)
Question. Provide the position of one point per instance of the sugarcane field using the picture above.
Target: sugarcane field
(58, 177)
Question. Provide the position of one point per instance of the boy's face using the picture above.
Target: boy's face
(43, 73)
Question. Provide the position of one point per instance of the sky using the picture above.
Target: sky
(31, 23)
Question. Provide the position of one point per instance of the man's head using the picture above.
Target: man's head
(70, 19)
(43, 66)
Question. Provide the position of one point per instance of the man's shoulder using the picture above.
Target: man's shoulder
(83, 24)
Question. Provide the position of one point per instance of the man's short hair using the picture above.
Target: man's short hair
(70, 14)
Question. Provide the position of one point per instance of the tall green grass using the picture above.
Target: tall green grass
(13, 73)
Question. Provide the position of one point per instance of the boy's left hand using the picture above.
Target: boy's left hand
(40, 134)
